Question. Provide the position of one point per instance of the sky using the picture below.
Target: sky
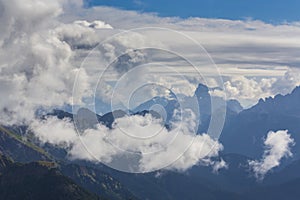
(271, 11)
(255, 59)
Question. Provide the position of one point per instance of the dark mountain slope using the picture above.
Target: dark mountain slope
(246, 131)
(38, 180)
(236, 178)
(17, 147)
(289, 190)
(174, 186)
(286, 174)
(97, 181)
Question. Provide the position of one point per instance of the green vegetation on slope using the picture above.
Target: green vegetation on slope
(36, 180)
(20, 139)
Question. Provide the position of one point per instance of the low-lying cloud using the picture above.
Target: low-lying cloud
(143, 140)
(277, 146)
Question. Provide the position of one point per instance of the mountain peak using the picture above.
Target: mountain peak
(234, 105)
(279, 103)
(296, 90)
(201, 89)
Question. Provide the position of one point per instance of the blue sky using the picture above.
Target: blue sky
(272, 11)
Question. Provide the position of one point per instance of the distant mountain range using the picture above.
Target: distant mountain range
(161, 107)
(202, 103)
(242, 138)
(245, 131)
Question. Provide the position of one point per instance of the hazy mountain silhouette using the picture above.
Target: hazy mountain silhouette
(246, 131)
(242, 138)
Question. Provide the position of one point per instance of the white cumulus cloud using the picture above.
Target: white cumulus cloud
(144, 140)
(277, 146)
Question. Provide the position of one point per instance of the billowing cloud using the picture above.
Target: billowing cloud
(277, 146)
(249, 89)
(30, 56)
(143, 139)
(36, 60)
(44, 43)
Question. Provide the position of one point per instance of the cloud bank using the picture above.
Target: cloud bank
(35, 65)
(144, 140)
(250, 54)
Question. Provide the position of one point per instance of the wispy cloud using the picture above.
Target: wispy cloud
(249, 54)
(277, 146)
